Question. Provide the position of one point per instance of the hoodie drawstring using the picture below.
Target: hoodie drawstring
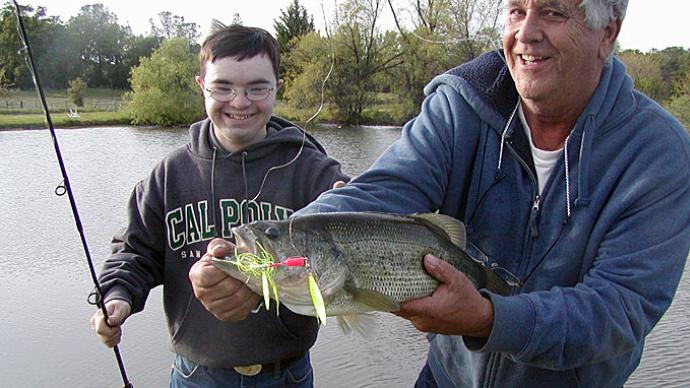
(582, 198)
(585, 158)
(214, 205)
(567, 180)
(246, 188)
(503, 138)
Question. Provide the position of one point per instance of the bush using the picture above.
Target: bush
(75, 91)
(163, 89)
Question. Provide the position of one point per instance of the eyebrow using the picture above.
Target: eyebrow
(259, 81)
(540, 3)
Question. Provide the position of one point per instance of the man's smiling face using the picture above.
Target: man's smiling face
(552, 55)
(240, 122)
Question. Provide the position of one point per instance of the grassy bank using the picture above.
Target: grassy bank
(23, 110)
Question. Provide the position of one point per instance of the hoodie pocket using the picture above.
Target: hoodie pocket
(185, 320)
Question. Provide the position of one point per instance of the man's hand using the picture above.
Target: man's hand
(455, 307)
(227, 298)
(111, 333)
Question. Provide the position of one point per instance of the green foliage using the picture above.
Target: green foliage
(40, 28)
(75, 91)
(362, 55)
(645, 70)
(679, 105)
(163, 88)
(291, 24)
(308, 65)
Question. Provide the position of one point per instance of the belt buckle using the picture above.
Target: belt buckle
(249, 370)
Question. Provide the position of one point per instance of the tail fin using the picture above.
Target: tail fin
(495, 283)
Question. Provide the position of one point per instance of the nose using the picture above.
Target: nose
(529, 29)
(240, 101)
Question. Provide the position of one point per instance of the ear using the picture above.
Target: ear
(608, 40)
(199, 81)
(279, 84)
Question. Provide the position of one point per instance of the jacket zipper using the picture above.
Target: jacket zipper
(494, 360)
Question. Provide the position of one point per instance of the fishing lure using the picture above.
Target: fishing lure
(263, 266)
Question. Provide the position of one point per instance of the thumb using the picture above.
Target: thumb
(219, 248)
(118, 311)
(440, 269)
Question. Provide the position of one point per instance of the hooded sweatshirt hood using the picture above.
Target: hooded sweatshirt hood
(487, 86)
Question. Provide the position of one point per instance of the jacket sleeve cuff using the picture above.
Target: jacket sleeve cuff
(512, 329)
(117, 292)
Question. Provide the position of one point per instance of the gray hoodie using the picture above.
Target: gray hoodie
(199, 192)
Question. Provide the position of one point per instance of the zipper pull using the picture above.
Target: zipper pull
(533, 217)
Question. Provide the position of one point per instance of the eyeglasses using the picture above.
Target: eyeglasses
(228, 93)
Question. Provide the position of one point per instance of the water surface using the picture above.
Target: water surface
(45, 337)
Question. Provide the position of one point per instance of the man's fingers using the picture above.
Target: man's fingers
(219, 247)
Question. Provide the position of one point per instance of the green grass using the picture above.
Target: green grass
(60, 120)
(27, 101)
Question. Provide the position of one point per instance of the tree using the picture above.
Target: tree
(75, 91)
(645, 70)
(100, 40)
(170, 25)
(236, 19)
(40, 28)
(363, 53)
(307, 66)
(163, 88)
(290, 27)
(679, 105)
(445, 33)
(291, 24)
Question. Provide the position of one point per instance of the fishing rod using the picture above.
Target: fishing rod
(65, 187)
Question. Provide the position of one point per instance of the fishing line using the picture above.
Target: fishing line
(65, 186)
(318, 111)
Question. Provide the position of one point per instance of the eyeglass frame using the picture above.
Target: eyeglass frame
(234, 93)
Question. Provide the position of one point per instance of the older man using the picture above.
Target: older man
(570, 183)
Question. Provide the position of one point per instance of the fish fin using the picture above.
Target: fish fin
(451, 227)
(373, 299)
(495, 283)
(364, 324)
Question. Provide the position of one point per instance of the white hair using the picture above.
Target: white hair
(598, 13)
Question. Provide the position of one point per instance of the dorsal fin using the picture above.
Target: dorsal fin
(451, 227)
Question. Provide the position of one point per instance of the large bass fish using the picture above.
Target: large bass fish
(362, 261)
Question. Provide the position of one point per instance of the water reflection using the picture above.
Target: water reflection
(46, 339)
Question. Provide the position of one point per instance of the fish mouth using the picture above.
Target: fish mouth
(243, 241)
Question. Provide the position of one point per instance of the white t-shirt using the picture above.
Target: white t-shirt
(544, 161)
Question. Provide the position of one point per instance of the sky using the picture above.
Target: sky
(648, 24)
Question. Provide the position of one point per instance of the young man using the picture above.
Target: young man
(242, 164)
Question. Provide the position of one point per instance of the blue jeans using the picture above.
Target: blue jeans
(187, 374)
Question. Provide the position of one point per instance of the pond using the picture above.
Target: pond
(46, 339)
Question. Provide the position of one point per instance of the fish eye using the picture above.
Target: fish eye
(272, 232)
